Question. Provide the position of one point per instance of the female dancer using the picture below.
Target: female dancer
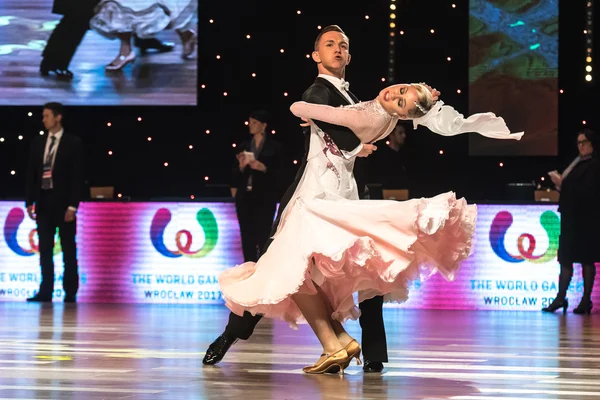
(328, 246)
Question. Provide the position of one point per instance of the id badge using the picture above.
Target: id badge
(47, 174)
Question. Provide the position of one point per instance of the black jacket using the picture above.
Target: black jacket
(268, 183)
(67, 172)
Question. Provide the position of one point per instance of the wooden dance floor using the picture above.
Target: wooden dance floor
(153, 79)
(89, 351)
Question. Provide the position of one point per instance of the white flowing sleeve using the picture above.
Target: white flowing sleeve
(446, 121)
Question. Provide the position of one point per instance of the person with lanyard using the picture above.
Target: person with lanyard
(54, 188)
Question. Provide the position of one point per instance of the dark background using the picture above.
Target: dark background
(136, 167)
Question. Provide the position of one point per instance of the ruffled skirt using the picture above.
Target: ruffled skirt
(144, 18)
(373, 247)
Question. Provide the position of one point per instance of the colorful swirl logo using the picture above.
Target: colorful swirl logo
(503, 220)
(15, 218)
(207, 221)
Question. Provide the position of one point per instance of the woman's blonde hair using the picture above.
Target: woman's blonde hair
(424, 104)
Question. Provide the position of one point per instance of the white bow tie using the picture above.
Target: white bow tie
(345, 85)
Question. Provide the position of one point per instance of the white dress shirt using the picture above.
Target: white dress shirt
(338, 84)
(58, 136)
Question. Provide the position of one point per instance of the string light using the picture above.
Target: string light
(109, 124)
(218, 56)
(203, 86)
(453, 5)
(458, 91)
(166, 164)
(281, 51)
(501, 164)
(246, 123)
(391, 72)
(319, 27)
(119, 195)
(273, 131)
(449, 58)
(13, 172)
(192, 197)
(234, 145)
(441, 151)
(432, 31)
(561, 91)
(366, 17)
(308, 56)
(1, 139)
(149, 138)
(285, 94)
(248, 36)
(224, 93)
(110, 153)
(41, 133)
(206, 178)
(191, 147)
(20, 137)
(589, 40)
(295, 161)
(208, 131)
(298, 12)
(212, 21)
(139, 119)
(29, 114)
(254, 74)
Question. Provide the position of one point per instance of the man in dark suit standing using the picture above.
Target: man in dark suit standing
(69, 33)
(53, 193)
(331, 55)
(256, 176)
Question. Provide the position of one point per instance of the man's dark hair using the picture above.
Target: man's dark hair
(56, 108)
(592, 136)
(261, 116)
(330, 28)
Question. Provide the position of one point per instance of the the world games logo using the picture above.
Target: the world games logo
(526, 242)
(183, 238)
(15, 218)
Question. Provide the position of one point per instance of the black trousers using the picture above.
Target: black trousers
(66, 37)
(373, 342)
(255, 215)
(50, 216)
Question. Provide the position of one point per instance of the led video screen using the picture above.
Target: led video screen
(115, 52)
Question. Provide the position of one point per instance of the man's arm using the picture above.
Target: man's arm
(343, 137)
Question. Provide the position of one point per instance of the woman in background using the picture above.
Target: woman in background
(579, 242)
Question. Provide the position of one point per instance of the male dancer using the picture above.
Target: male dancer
(331, 53)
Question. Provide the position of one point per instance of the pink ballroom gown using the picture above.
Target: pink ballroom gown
(344, 245)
